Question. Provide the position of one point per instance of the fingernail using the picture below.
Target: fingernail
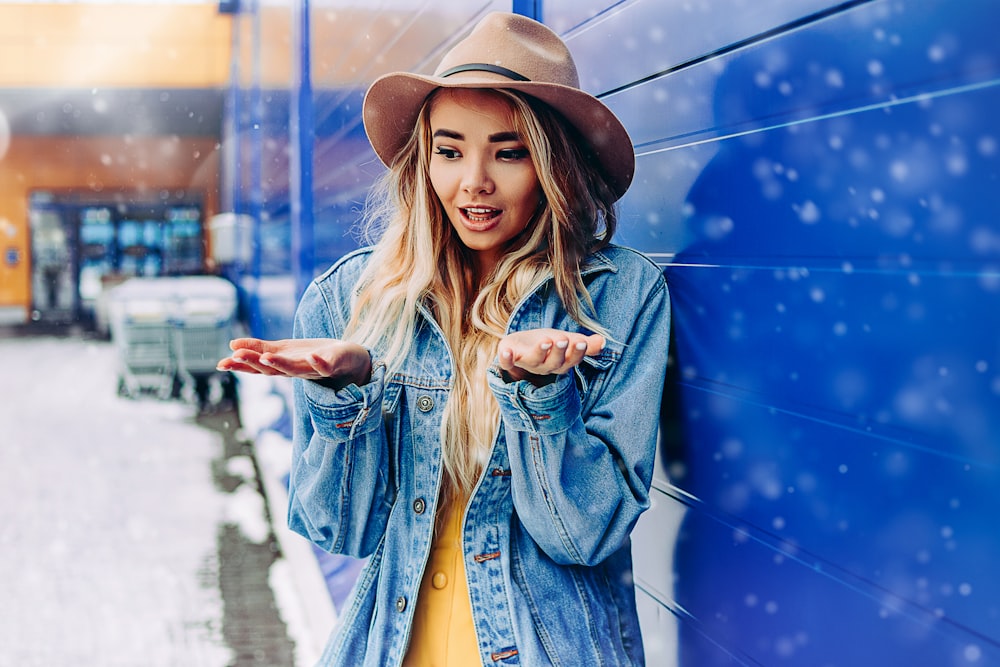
(581, 346)
(266, 362)
(562, 344)
(545, 346)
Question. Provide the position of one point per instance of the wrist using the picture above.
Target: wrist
(357, 371)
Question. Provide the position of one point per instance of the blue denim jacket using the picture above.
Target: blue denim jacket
(546, 531)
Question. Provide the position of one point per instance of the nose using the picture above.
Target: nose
(476, 177)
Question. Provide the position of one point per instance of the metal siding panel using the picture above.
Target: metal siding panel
(826, 200)
(650, 36)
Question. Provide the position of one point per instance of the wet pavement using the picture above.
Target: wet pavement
(133, 532)
(251, 623)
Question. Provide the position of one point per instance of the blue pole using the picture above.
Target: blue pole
(256, 166)
(530, 8)
(228, 199)
(234, 199)
(302, 135)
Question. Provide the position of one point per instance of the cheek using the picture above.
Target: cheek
(439, 182)
(435, 187)
(531, 193)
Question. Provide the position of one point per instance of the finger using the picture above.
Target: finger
(245, 355)
(249, 359)
(255, 344)
(273, 362)
(595, 343)
(541, 359)
(276, 364)
(556, 356)
(320, 365)
(571, 358)
(505, 358)
(532, 353)
(537, 358)
(579, 347)
(225, 364)
(230, 364)
(512, 355)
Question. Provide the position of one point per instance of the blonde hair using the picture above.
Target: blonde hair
(418, 262)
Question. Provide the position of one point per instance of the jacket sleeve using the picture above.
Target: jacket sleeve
(580, 478)
(339, 495)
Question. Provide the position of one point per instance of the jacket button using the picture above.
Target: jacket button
(439, 580)
(425, 403)
(400, 604)
(419, 505)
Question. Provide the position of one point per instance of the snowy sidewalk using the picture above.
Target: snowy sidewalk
(130, 533)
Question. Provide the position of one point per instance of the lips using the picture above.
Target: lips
(480, 218)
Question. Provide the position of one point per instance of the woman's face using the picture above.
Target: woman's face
(481, 171)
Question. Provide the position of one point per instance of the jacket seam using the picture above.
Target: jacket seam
(585, 608)
(539, 624)
(564, 537)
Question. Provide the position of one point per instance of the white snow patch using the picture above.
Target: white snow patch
(293, 613)
(245, 509)
(260, 406)
(242, 467)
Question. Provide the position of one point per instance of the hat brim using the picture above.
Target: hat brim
(393, 102)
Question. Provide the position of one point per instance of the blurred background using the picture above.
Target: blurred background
(818, 179)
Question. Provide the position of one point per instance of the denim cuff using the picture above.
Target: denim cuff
(550, 409)
(342, 414)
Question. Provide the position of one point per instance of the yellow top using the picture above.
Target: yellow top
(443, 633)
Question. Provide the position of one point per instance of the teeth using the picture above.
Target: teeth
(480, 214)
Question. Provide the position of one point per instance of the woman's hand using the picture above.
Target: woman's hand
(537, 354)
(332, 361)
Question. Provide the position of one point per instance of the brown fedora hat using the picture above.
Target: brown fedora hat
(503, 51)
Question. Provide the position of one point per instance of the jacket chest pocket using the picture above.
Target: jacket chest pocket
(415, 434)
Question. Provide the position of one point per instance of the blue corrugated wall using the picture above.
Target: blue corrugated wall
(820, 182)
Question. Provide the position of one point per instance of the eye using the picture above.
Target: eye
(513, 154)
(446, 153)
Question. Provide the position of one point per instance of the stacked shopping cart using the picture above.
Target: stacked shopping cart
(202, 325)
(170, 333)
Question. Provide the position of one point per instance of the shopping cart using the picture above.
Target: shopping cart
(203, 321)
(139, 315)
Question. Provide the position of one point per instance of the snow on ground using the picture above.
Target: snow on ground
(245, 509)
(108, 517)
(297, 581)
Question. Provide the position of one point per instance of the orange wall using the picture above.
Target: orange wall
(82, 45)
(129, 167)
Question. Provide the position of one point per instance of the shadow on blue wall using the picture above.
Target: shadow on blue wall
(837, 310)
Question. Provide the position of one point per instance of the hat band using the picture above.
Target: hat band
(484, 67)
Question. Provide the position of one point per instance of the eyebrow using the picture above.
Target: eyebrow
(498, 138)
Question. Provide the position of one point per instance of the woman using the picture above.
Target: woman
(477, 394)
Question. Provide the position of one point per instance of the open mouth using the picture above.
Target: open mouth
(480, 214)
